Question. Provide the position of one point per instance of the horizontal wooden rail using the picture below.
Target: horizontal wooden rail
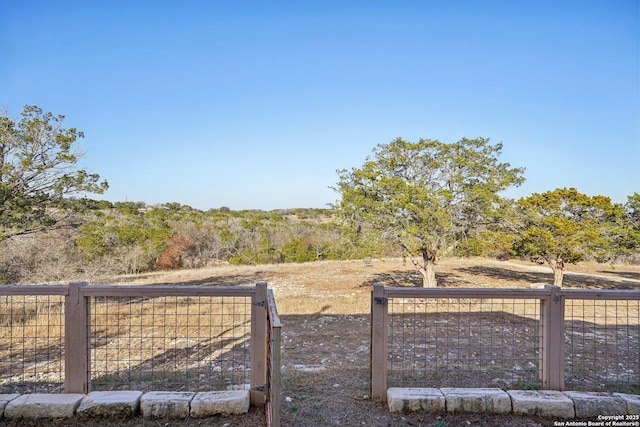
(600, 295)
(34, 290)
(509, 293)
(130, 291)
(167, 291)
(475, 293)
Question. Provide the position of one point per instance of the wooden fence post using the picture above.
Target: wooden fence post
(552, 340)
(76, 340)
(379, 333)
(275, 383)
(259, 336)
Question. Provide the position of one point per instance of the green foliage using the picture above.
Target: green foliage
(258, 247)
(563, 226)
(39, 174)
(95, 238)
(627, 242)
(491, 244)
(358, 243)
(426, 196)
(299, 250)
(133, 237)
(471, 246)
(129, 237)
(123, 231)
(633, 210)
(129, 208)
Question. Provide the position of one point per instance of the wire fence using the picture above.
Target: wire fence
(170, 343)
(509, 338)
(32, 344)
(80, 338)
(470, 343)
(602, 345)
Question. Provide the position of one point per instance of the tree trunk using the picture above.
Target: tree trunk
(428, 269)
(558, 271)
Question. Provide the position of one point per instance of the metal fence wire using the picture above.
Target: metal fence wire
(172, 343)
(31, 344)
(463, 342)
(602, 345)
(552, 338)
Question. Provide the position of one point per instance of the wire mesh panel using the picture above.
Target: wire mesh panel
(31, 344)
(602, 345)
(462, 342)
(171, 343)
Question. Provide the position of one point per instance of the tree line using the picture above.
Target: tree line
(421, 200)
(132, 237)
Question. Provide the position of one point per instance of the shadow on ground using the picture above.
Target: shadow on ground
(626, 274)
(571, 280)
(407, 279)
(229, 280)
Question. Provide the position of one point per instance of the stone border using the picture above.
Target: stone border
(159, 404)
(546, 403)
(125, 403)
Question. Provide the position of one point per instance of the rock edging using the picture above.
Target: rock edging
(546, 403)
(125, 403)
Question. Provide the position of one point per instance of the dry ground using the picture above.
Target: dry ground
(324, 308)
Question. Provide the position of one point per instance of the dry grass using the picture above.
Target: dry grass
(324, 308)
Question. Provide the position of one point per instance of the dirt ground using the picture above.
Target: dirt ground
(324, 309)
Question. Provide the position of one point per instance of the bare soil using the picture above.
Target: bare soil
(324, 308)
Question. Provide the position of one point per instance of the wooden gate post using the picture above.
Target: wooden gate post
(552, 340)
(275, 379)
(379, 333)
(76, 340)
(259, 325)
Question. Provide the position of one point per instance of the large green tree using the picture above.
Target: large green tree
(39, 173)
(563, 226)
(427, 195)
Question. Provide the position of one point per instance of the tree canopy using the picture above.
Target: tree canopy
(426, 195)
(564, 225)
(628, 241)
(39, 173)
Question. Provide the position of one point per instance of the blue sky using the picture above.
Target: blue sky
(255, 104)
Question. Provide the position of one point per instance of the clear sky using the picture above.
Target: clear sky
(255, 104)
